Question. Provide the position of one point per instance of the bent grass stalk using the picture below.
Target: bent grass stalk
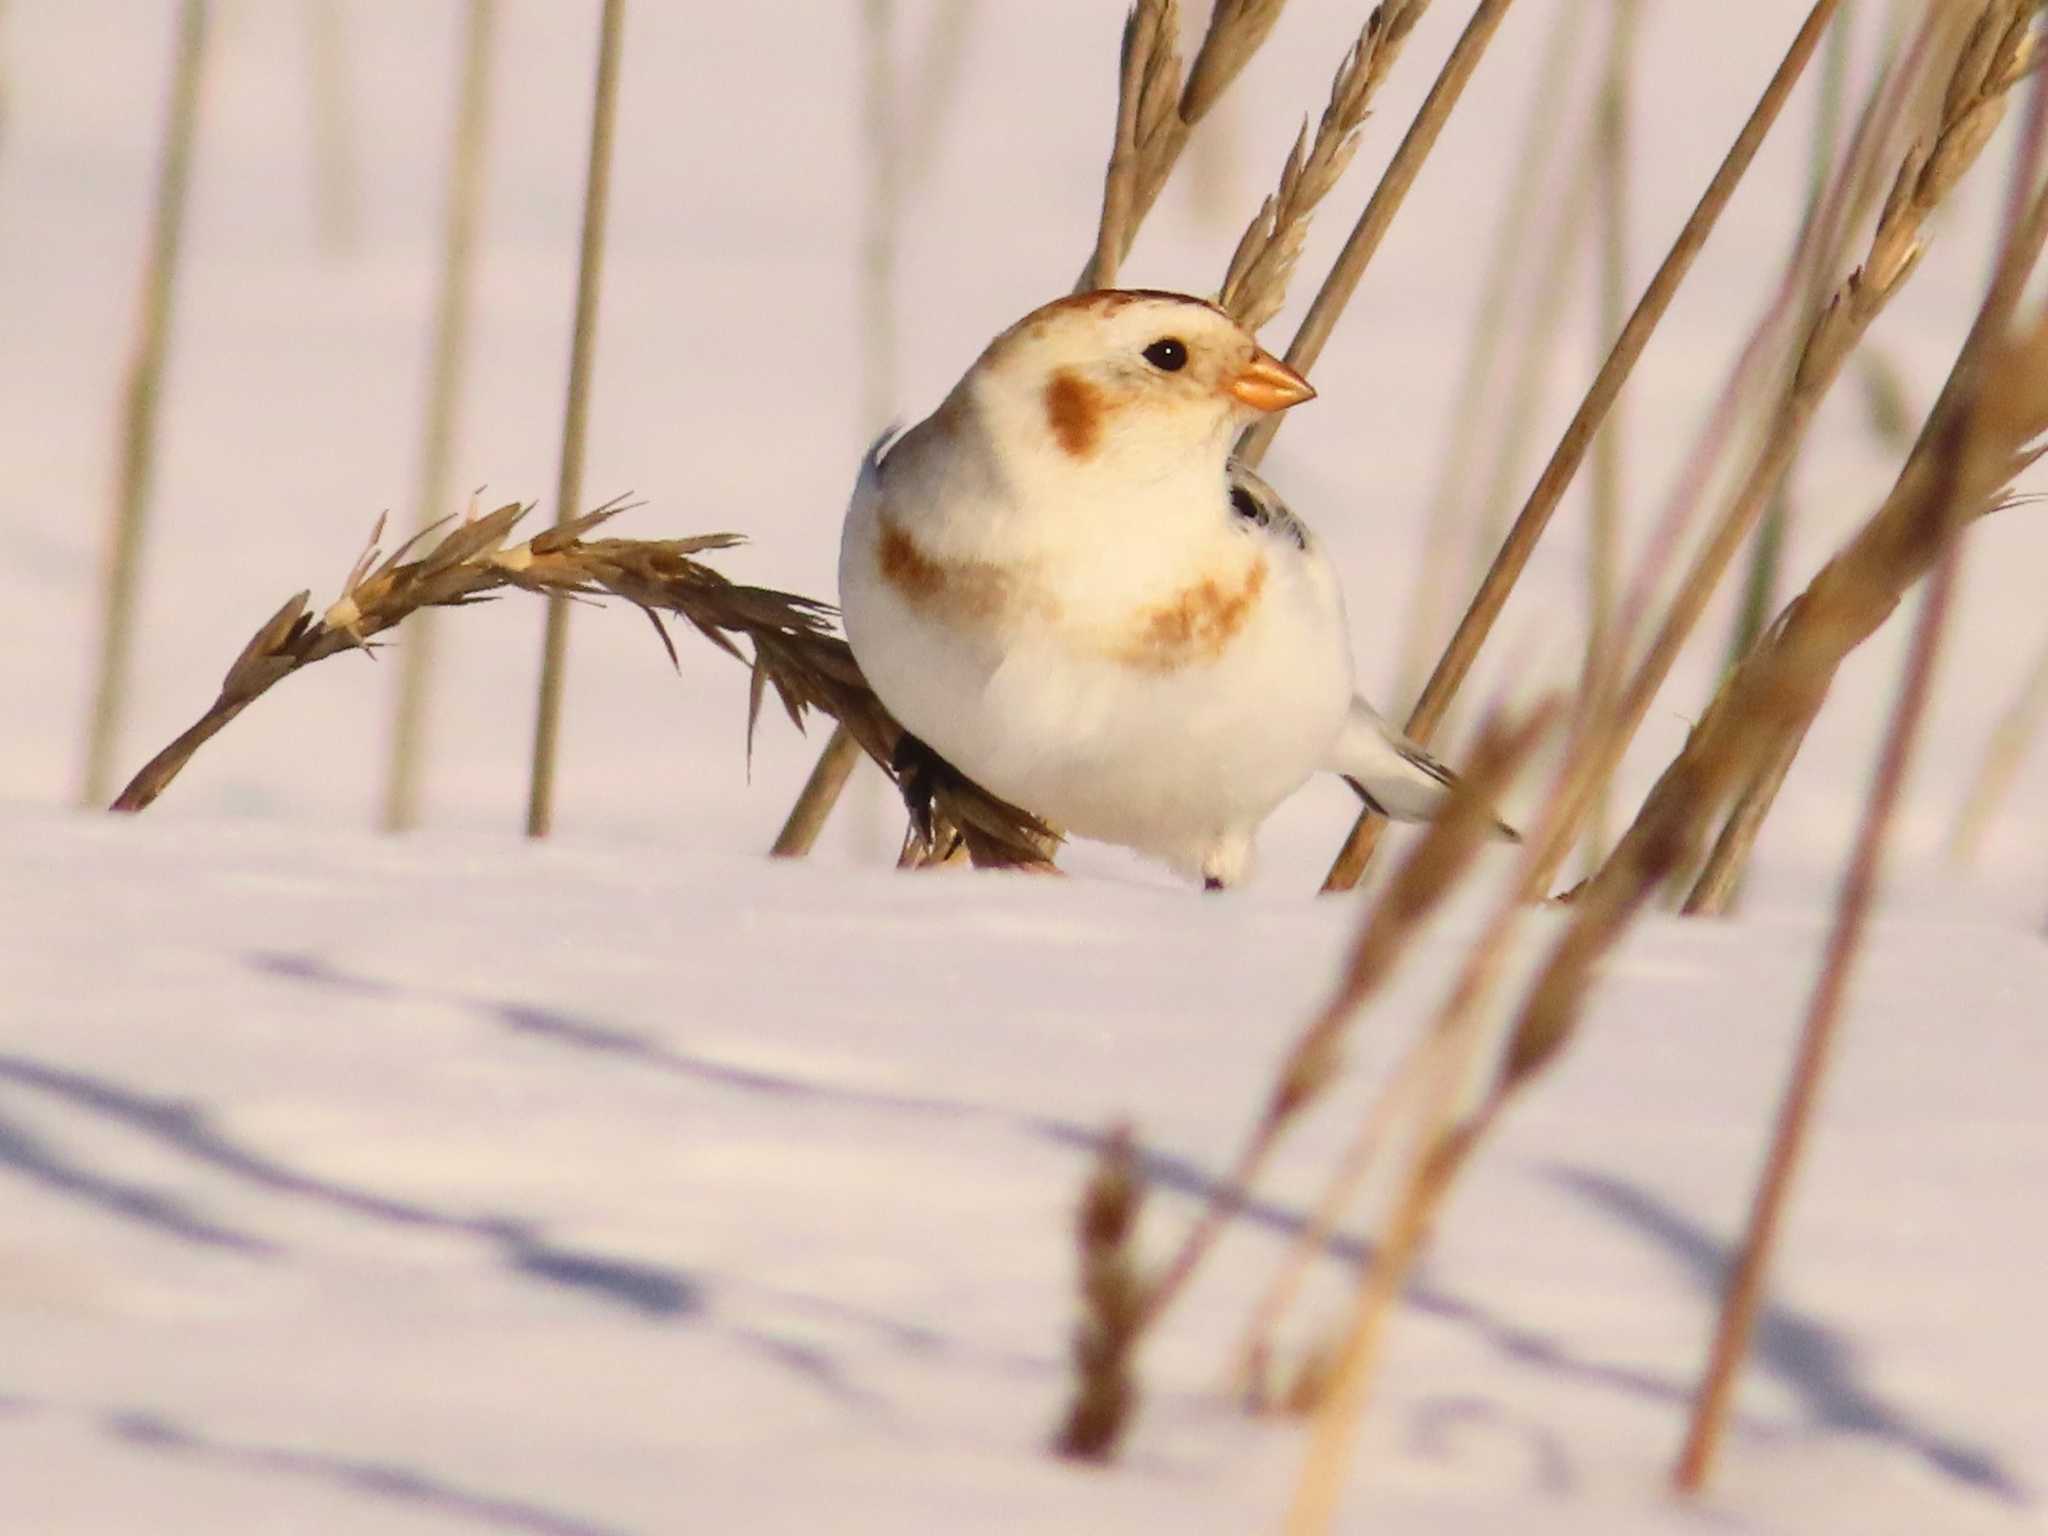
(793, 650)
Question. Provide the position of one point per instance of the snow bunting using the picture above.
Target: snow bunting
(1061, 584)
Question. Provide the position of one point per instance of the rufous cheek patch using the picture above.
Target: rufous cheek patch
(1073, 410)
(1197, 626)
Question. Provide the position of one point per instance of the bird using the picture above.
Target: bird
(1065, 588)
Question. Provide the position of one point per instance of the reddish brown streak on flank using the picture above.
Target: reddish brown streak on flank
(971, 592)
(1197, 626)
(1073, 409)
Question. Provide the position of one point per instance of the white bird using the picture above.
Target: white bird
(1061, 584)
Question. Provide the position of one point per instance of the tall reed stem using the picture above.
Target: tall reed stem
(447, 370)
(540, 804)
(1387, 197)
(141, 397)
(1492, 596)
(1744, 1297)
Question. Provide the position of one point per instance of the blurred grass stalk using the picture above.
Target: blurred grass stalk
(1603, 544)
(141, 399)
(1464, 646)
(540, 802)
(337, 204)
(1473, 405)
(1745, 1293)
(447, 370)
(882, 215)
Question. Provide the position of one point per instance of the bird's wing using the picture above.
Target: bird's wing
(1260, 506)
(1391, 774)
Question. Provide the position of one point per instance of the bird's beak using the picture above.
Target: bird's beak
(1267, 384)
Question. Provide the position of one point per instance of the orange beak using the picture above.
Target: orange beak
(1267, 384)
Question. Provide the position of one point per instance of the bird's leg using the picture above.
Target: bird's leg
(920, 776)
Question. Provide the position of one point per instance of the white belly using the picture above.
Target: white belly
(1172, 763)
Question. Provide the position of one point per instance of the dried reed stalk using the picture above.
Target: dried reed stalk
(1603, 542)
(1473, 412)
(1105, 1339)
(1441, 858)
(336, 202)
(2003, 753)
(1744, 1295)
(1342, 280)
(1976, 441)
(1759, 591)
(453, 304)
(1492, 596)
(1973, 107)
(1720, 878)
(141, 395)
(1255, 285)
(1156, 111)
(540, 800)
(793, 649)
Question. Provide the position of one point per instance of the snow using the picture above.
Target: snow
(633, 1184)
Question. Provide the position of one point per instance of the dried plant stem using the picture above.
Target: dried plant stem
(1440, 859)
(806, 818)
(1603, 544)
(141, 396)
(1472, 410)
(1342, 281)
(1492, 596)
(1255, 285)
(447, 371)
(938, 74)
(1759, 592)
(335, 199)
(1105, 1339)
(1147, 38)
(1745, 1292)
(2012, 51)
(540, 803)
(2003, 754)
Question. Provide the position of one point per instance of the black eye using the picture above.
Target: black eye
(1169, 354)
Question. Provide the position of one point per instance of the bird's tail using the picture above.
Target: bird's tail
(1391, 774)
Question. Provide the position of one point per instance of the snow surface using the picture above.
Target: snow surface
(632, 1184)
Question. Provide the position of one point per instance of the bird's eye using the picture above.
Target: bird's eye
(1169, 354)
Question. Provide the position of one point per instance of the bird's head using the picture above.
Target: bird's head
(1131, 382)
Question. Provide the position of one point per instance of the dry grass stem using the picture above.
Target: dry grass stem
(1473, 408)
(540, 800)
(1106, 1337)
(141, 395)
(1603, 543)
(1976, 443)
(793, 649)
(1441, 857)
(1255, 286)
(1744, 1296)
(1492, 596)
(1924, 179)
(2007, 749)
(1344, 275)
(336, 200)
(447, 370)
